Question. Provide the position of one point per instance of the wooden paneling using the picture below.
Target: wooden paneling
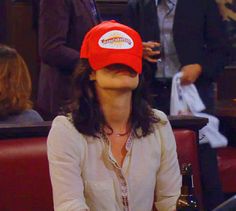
(21, 1)
(3, 20)
(225, 108)
(226, 84)
(111, 9)
(22, 36)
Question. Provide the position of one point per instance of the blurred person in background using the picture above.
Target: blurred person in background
(191, 39)
(62, 26)
(15, 89)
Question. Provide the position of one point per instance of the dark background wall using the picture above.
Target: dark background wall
(2, 21)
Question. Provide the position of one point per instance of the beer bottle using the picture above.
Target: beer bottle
(187, 201)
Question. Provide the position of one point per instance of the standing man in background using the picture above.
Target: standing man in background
(192, 40)
(62, 26)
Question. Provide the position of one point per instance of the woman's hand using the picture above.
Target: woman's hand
(149, 53)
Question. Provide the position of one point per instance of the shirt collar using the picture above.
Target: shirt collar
(174, 2)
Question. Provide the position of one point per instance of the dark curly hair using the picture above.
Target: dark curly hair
(87, 115)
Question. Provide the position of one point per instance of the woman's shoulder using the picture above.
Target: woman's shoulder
(65, 141)
(160, 114)
(63, 132)
(164, 130)
(64, 122)
(65, 125)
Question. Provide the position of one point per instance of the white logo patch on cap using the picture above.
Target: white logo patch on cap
(116, 39)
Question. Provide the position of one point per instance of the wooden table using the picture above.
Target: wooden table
(188, 122)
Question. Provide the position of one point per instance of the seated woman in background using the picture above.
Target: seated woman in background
(112, 151)
(15, 89)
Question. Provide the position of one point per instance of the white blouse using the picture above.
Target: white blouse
(85, 175)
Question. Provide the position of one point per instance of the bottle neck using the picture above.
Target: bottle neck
(187, 185)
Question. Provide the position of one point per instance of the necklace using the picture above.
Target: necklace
(118, 134)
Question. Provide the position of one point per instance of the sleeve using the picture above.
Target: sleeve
(54, 23)
(34, 116)
(66, 150)
(216, 42)
(169, 180)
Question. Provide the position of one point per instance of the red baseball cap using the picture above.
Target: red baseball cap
(112, 43)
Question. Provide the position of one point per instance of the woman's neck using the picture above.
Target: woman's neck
(116, 107)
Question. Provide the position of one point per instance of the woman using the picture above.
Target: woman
(15, 89)
(113, 152)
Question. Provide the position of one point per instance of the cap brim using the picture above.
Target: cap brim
(101, 61)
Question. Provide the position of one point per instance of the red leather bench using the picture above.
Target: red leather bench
(227, 168)
(24, 175)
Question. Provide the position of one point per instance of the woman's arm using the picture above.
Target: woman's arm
(66, 150)
(168, 182)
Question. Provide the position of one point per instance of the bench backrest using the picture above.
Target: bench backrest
(24, 175)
